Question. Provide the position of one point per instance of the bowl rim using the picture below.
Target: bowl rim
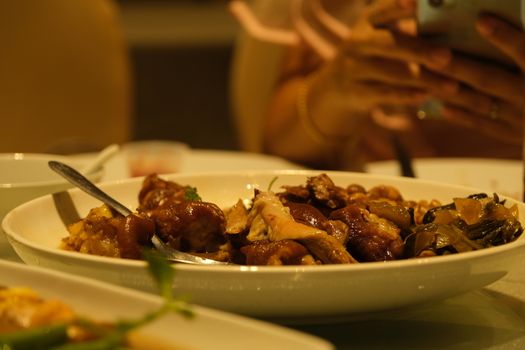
(95, 174)
(336, 268)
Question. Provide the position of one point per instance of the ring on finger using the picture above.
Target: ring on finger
(495, 108)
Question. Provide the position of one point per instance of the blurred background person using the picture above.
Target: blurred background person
(66, 84)
(364, 100)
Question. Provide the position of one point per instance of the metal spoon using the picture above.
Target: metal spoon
(87, 186)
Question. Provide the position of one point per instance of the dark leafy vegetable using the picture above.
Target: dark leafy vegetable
(467, 224)
(431, 214)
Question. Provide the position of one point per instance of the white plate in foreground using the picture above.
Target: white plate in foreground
(209, 329)
(35, 229)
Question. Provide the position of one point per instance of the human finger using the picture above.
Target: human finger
(385, 12)
(399, 73)
(503, 84)
(368, 94)
(503, 36)
(494, 128)
(485, 106)
(401, 47)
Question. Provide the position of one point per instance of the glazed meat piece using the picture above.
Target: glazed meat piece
(104, 233)
(371, 238)
(181, 219)
(320, 190)
(298, 194)
(307, 214)
(156, 192)
(326, 192)
(310, 215)
(190, 225)
(284, 252)
(133, 233)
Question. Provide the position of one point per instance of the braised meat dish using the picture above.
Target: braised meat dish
(310, 224)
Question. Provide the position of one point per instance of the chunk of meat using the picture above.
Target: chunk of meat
(133, 233)
(370, 238)
(156, 192)
(104, 233)
(284, 252)
(310, 215)
(190, 225)
(326, 192)
(295, 194)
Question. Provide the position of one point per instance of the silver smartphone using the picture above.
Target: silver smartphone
(452, 23)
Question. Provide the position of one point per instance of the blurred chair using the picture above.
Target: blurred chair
(65, 78)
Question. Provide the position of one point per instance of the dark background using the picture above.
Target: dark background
(180, 54)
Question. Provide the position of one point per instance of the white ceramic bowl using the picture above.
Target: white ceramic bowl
(209, 329)
(36, 228)
(24, 176)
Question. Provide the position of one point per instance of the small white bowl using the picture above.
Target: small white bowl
(24, 176)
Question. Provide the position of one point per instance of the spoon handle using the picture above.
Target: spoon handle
(87, 186)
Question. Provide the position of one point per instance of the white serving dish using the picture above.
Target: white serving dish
(34, 229)
(24, 176)
(209, 329)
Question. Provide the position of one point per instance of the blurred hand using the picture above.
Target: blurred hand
(490, 98)
(380, 65)
(384, 67)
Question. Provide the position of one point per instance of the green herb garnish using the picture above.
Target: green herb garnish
(191, 194)
(271, 183)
